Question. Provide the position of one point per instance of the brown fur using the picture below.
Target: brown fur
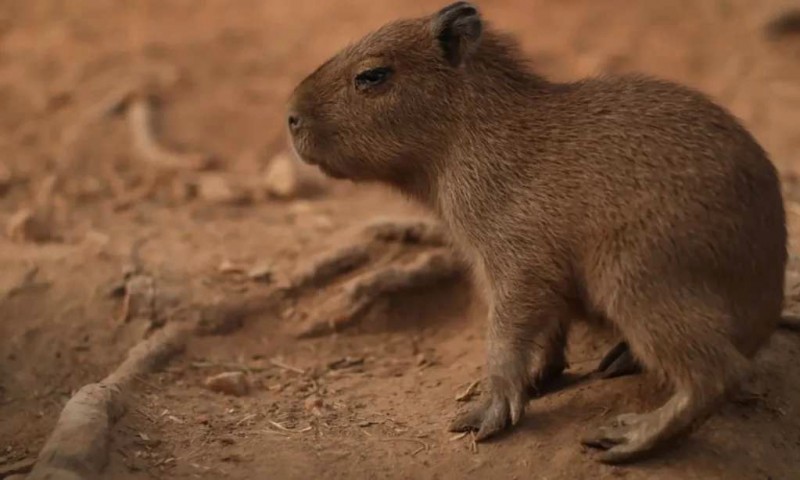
(626, 197)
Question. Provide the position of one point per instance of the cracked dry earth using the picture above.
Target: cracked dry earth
(318, 347)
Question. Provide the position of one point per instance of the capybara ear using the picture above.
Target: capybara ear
(458, 28)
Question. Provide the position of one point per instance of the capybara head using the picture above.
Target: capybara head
(384, 106)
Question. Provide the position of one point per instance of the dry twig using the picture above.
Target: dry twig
(467, 394)
(422, 445)
(285, 366)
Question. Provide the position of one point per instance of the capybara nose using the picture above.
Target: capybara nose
(294, 122)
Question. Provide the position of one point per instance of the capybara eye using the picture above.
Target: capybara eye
(372, 77)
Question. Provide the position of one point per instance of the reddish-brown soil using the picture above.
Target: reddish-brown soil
(232, 66)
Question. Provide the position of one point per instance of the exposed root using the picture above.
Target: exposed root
(417, 259)
(229, 316)
(152, 353)
(78, 446)
(142, 125)
(17, 469)
(420, 232)
(136, 101)
(426, 269)
(141, 296)
(140, 299)
(363, 292)
(327, 267)
(134, 97)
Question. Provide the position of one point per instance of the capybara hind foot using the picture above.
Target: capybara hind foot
(631, 436)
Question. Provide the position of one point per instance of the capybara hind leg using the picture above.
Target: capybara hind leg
(699, 361)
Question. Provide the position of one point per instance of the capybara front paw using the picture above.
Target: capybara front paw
(493, 415)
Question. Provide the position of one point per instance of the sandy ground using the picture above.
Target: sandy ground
(371, 401)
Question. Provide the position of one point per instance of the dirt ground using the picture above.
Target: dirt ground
(374, 399)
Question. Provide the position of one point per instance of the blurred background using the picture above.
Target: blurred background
(149, 136)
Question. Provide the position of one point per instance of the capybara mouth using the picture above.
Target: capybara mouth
(322, 165)
(298, 146)
(331, 171)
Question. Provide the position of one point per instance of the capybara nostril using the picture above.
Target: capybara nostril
(294, 121)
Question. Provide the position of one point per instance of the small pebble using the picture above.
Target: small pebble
(313, 405)
(280, 179)
(322, 222)
(288, 177)
(301, 207)
(229, 267)
(217, 189)
(422, 360)
(260, 273)
(229, 383)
